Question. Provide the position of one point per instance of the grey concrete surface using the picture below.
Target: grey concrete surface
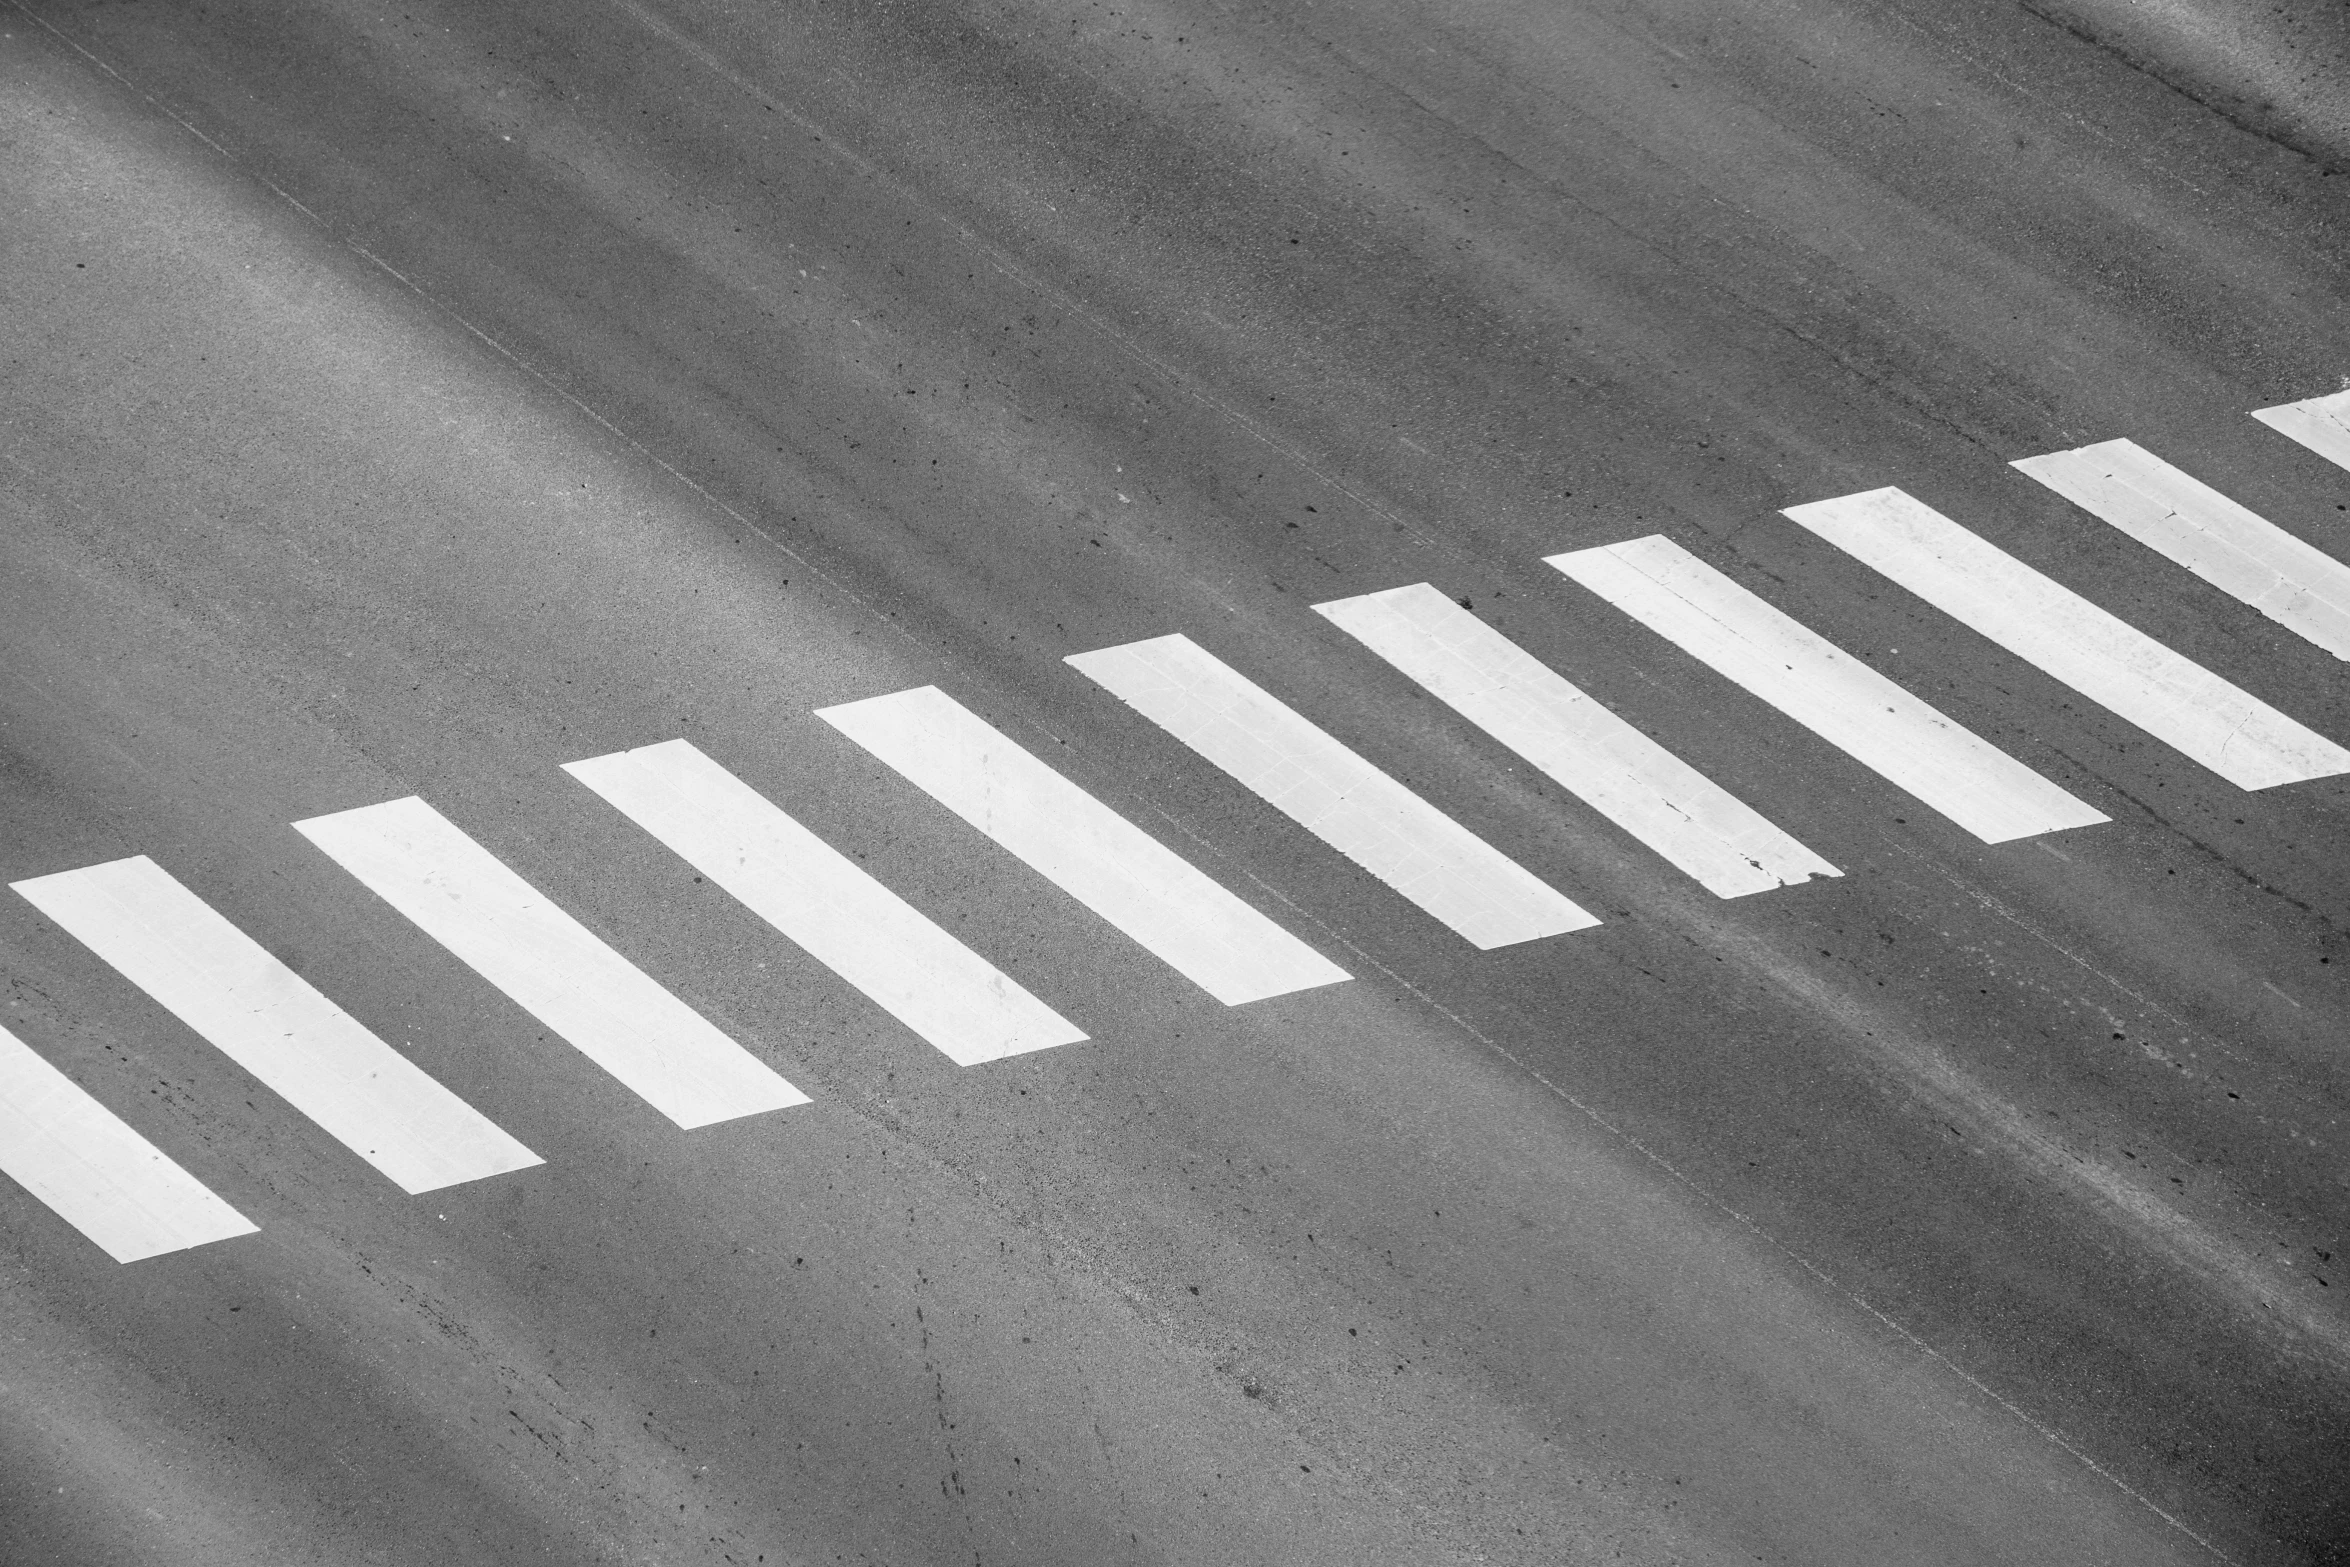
(413, 400)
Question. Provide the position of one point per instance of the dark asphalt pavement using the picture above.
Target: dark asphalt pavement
(413, 400)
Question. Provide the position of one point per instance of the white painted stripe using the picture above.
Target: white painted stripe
(275, 1024)
(1817, 684)
(1457, 877)
(2046, 624)
(553, 967)
(94, 1172)
(2320, 423)
(2228, 545)
(1083, 847)
(818, 897)
(1587, 750)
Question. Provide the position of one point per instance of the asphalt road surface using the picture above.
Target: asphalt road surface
(1016, 1123)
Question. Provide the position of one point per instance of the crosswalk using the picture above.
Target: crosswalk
(270, 1021)
(2320, 423)
(97, 1174)
(548, 963)
(1834, 695)
(133, 1201)
(1719, 840)
(2228, 545)
(2100, 655)
(1135, 883)
(820, 900)
(1457, 878)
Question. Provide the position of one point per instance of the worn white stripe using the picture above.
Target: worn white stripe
(553, 967)
(1817, 684)
(2320, 423)
(2228, 545)
(1587, 750)
(2046, 624)
(1083, 847)
(818, 897)
(1457, 877)
(275, 1024)
(120, 1190)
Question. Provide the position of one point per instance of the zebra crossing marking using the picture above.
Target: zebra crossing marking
(126, 1196)
(1450, 873)
(1081, 846)
(275, 1024)
(819, 898)
(1727, 846)
(1825, 689)
(2051, 627)
(133, 1201)
(2320, 423)
(549, 964)
(2228, 545)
